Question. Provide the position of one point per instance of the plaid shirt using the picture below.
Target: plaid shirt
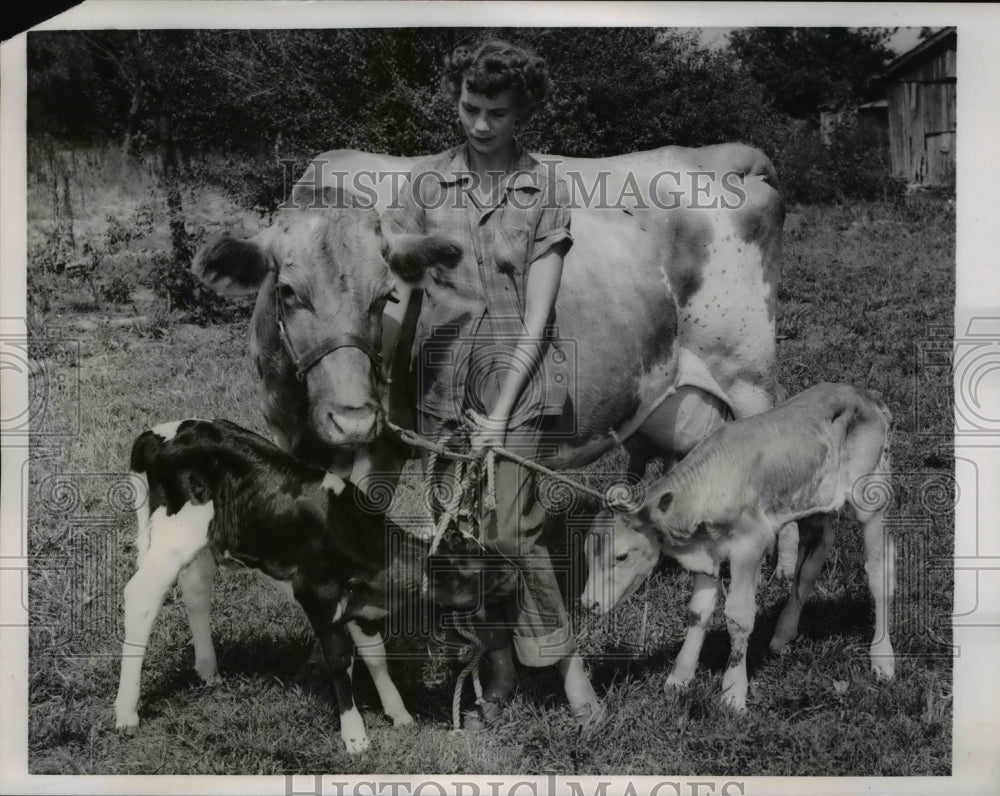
(472, 317)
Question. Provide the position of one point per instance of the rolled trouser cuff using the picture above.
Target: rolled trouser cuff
(545, 650)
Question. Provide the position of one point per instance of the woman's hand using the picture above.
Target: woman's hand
(485, 431)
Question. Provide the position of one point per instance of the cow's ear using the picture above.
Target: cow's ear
(409, 256)
(231, 267)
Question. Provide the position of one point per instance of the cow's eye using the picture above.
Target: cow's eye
(622, 556)
(285, 291)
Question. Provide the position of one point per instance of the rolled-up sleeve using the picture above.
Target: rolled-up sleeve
(553, 223)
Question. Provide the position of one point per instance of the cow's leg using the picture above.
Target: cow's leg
(741, 608)
(195, 581)
(880, 566)
(372, 651)
(338, 653)
(815, 537)
(640, 453)
(174, 542)
(700, 610)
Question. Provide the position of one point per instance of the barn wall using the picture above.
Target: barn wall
(922, 113)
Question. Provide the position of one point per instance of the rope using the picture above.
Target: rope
(490, 463)
(468, 470)
(414, 439)
(472, 667)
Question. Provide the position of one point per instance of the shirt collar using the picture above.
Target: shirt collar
(523, 172)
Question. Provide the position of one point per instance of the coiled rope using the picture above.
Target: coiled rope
(470, 469)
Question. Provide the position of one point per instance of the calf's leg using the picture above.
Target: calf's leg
(700, 610)
(741, 609)
(372, 651)
(174, 541)
(195, 581)
(815, 538)
(880, 566)
(338, 652)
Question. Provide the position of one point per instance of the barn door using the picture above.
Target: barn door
(940, 153)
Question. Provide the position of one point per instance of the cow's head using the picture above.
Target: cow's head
(621, 554)
(323, 273)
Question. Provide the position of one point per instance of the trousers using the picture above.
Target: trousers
(537, 622)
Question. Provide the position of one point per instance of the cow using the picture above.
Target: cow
(825, 449)
(211, 492)
(667, 306)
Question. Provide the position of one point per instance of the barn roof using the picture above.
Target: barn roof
(926, 49)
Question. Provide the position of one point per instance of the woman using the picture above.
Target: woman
(486, 344)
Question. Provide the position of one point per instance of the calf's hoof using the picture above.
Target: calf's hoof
(127, 723)
(403, 719)
(208, 672)
(590, 715)
(678, 679)
(737, 702)
(734, 696)
(779, 646)
(356, 746)
(884, 669)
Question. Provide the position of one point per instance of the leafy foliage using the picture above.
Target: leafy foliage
(854, 164)
(259, 99)
(803, 68)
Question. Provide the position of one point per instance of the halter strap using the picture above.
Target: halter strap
(326, 346)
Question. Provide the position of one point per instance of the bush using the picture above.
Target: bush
(853, 165)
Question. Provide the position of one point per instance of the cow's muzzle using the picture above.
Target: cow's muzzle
(345, 425)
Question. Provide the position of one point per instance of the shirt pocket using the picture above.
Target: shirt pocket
(510, 249)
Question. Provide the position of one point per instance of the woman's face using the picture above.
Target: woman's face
(488, 123)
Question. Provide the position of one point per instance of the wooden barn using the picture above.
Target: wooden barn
(920, 91)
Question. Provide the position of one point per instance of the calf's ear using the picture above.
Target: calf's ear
(409, 256)
(231, 267)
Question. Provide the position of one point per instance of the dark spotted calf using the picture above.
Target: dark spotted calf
(218, 493)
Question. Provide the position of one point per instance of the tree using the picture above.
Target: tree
(803, 68)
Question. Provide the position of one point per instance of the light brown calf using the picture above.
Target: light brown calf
(825, 449)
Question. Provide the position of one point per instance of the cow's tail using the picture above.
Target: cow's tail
(761, 166)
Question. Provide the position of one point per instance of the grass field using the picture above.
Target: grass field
(866, 288)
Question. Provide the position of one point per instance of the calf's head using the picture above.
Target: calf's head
(323, 273)
(621, 554)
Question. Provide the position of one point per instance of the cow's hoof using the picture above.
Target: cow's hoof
(356, 746)
(779, 646)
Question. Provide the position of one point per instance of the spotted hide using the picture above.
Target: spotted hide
(667, 300)
(212, 492)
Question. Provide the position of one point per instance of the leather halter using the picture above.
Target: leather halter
(326, 346)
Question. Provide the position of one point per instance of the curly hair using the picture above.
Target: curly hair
(493, 66)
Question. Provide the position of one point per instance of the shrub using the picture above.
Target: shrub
(853, 165)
